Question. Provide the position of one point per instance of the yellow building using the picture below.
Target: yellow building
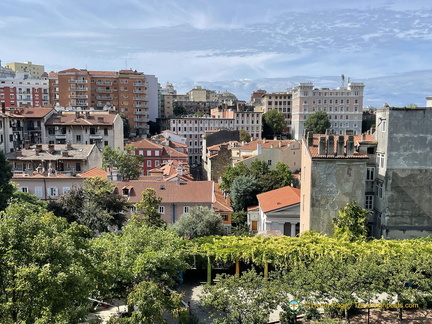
(36, 71)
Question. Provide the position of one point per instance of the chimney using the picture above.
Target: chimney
(280, 144)
(69, 146)
(310, 138)
(264, 140)
(330, 145)
(18, 153)
(27, 144)
(340, 145)
(363, 137)
(328, 132)
(100, 119)
(350, 145)
(114, 174)
(259, 151)
(50, 148)
(65, 154)
(322, 146)
(38, 148)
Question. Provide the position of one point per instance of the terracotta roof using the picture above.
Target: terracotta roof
(31, 112)
(279, 198)
(103, 73)
(94, 172)
(267, 144)
(53, 74)
(171, 192)
(172, 153)
(73, 70)
(75, 118)
(176, 144)
(221, 203)
(146, 144)
(44, 175)
(357, 139)
(253, 208)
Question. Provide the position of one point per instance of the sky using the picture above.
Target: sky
(192, 42)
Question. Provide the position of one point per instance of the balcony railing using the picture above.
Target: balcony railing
(140, 112)
(140, 84)
(104, 97)
(77, 81)
(142, 98)
(79, 104)
(100, 90)
(96, 136)
(139, 91)
(140, 106)
(78, 88)
(78, 96)
(104, 83)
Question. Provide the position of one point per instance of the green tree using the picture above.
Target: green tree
(351, 222)
(128, 165)
(243, 192)
(179, 111)
(245, 299)
(318, 122)
(148, 208)
(275, 120)
(139, 253)
(46, 274)
(231, 173)
(94, 205)
(126, 126)
(6, 188)
(200, 221)
(244, 136)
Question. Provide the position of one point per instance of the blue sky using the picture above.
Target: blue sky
(192, 41)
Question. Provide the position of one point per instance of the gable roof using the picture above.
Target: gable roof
(196, 192)
(94, 172)
(279, 198)
(76, 118)
(30, 112)
(146, 144)
(276, 144)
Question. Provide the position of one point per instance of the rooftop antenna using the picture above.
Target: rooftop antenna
(342, 80)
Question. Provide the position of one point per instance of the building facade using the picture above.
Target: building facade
(22, 91)
(35, 71)
(280, 101)
(344, 106)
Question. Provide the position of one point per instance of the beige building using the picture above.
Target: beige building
(103, 128)
(280, 101)
(36, 71)
(344, 106)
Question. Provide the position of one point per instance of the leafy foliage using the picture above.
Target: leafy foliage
(244, 136)
(275, 120)
(45, 272)
(94, 205)
(200, 221)
(318, 122)
(6, 188)
(126, 126)
(245, 299)
(179, 111)
(128, 165)
(243, 192)
(352, 222)
(148, 208)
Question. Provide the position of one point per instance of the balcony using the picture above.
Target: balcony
(104, 97)
(142, 98)
(108, 83)
(60, 136)
(139, 91)
(140, 113)
(140, 106)
(140, 84)
(24, 92)
(56, 90)
(55, 84)
(80, 104)
(78, 96)
(100, 90)
(96, 136)
(77, 81)
(78, 88)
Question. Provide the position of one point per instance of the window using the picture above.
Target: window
(38, 192)
(370, 173)
(369, 202)
(78, 167)
(66, 190)
(269, 162)
(157, 163)
(24, 189)
(149, 153)
(52, 192)
(78, 139)
(380, 190)
(384, 126)
(149, 164)
(162, 210)
(380, 160)
(186, 210)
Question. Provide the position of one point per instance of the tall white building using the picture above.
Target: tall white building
(344, 105)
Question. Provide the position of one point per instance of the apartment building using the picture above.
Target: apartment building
(35, 71)
(280, 101)
(244, 118)
(22, 91)
(126, 90)
(344, 106)
(102, 128)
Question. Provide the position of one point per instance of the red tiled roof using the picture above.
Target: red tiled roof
(103, 73)
(94, 172)
(67, 118)
(172, 192)
(31, 112)
(357, 139)
(279, 198)
(267, 144)
(221, 204)
(146, 144)
(172, 153)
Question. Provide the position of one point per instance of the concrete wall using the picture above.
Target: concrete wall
(333, 185)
